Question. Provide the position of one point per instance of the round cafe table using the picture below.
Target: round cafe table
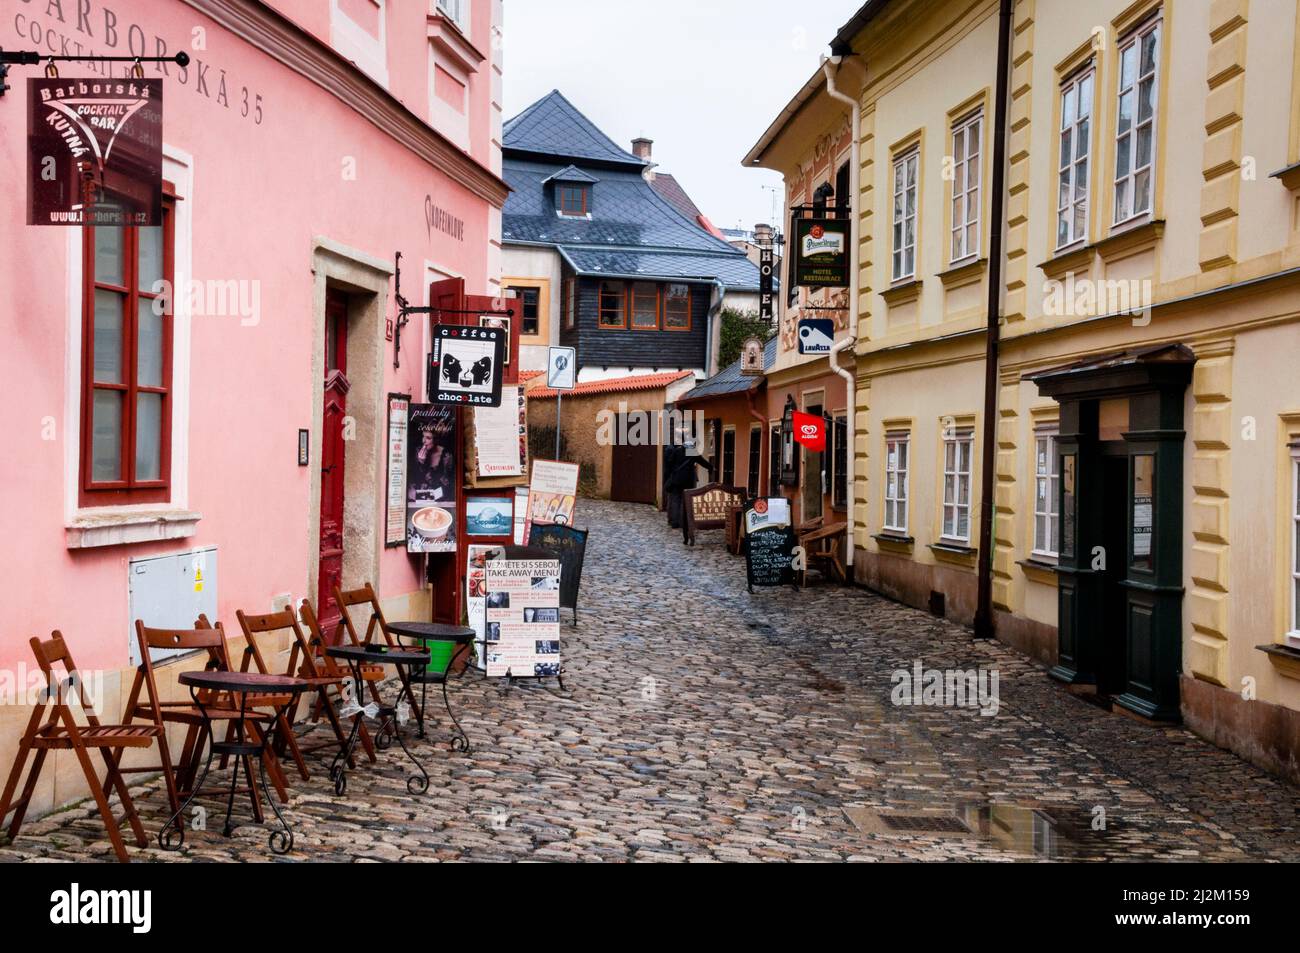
(425, 632)
(389, 717)
(252, 689)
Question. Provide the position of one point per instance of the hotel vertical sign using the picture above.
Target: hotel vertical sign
(94, 151)
(766, 300)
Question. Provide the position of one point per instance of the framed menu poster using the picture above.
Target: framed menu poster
(522, 625)
(399, 406)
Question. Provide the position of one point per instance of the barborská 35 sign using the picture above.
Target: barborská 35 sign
(94, 151)
(821, 252)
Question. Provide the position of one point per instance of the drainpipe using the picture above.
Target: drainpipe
(984, 627)
(855, 191)
(714, 330)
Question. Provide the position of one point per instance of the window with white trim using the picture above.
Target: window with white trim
(1295, 541)
(1047, 482)
(1073, 156)
(457, 11)
(1135, 122)
(956, 485)
(966, 186)
(896, 453)
(905, 167)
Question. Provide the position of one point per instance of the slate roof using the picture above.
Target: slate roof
(552, 126)
(570, 173)
(729, 380)
(633, 231)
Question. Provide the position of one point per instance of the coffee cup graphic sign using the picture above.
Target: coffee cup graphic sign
(94, 151)
(821, 250)
(816, 335)
(465, 365)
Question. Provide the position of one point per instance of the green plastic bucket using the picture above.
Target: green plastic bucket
(440, 654)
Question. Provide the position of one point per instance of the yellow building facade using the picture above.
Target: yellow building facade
(1146, 449)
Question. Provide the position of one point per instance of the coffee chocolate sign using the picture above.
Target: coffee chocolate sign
(94, 151)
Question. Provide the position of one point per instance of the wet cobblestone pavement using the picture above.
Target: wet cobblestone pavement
(703, 723)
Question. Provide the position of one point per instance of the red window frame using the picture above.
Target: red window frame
(128, 489)
(633, 297)
(564, 199)
(602, 308)
(667, 326)
(570, 304)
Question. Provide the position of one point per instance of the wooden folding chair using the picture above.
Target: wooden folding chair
(318, 665)
(61, 732)
(346, 599)
(144, 702)
(303, 663)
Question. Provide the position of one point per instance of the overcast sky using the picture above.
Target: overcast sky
(702, 78)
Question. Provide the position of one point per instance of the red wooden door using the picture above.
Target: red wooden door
(331, 458)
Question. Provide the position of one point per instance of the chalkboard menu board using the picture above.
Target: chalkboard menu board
(769, 557)
(569, 546)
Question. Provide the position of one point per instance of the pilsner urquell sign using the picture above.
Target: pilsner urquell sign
(821, 252)
(94, 151)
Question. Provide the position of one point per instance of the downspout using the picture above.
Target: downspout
(855, 190)
(764, 436)
(714, 330)
(983, 622)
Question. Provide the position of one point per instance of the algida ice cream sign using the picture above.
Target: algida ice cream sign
(94, 151)
(821, 252)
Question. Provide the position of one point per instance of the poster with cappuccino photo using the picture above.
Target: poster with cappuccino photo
(522, 631)
(431, 479)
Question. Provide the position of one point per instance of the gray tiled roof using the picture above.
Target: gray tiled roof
(729, 380)
(553, 126)
(631, 230)
(570, 173)
(735, 271)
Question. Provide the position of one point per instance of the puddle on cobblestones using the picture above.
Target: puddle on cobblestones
(1020, 830)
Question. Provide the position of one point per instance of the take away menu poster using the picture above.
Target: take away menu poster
(523, 617)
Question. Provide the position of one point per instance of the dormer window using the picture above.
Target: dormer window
(572, 199)
(571, 189)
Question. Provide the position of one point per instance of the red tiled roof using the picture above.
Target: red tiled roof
(615, 385)
(525, 376)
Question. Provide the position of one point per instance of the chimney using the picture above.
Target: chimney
(762, 234)
(641, 148)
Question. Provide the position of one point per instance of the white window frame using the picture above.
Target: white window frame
(897, 463)
(1130, 86)
(966, 183)
(457, 11)
(1073, 167)
(958, 451)
(1293, 635)
(906, 167)
(1047, 483)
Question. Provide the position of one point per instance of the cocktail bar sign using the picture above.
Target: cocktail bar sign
(94, 151)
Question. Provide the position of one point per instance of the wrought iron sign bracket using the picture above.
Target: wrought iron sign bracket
(405, 310)
(34, 58)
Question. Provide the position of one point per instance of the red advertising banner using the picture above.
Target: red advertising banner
(810, 430)
(94, 151)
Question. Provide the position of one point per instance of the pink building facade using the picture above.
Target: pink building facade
(306, 143)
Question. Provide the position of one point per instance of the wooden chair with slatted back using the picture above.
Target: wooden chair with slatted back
(349, 598)
(60, 732)
(302, 663)
(145, 703)
(317, 666)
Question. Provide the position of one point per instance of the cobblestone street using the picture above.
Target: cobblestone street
(703, 723)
